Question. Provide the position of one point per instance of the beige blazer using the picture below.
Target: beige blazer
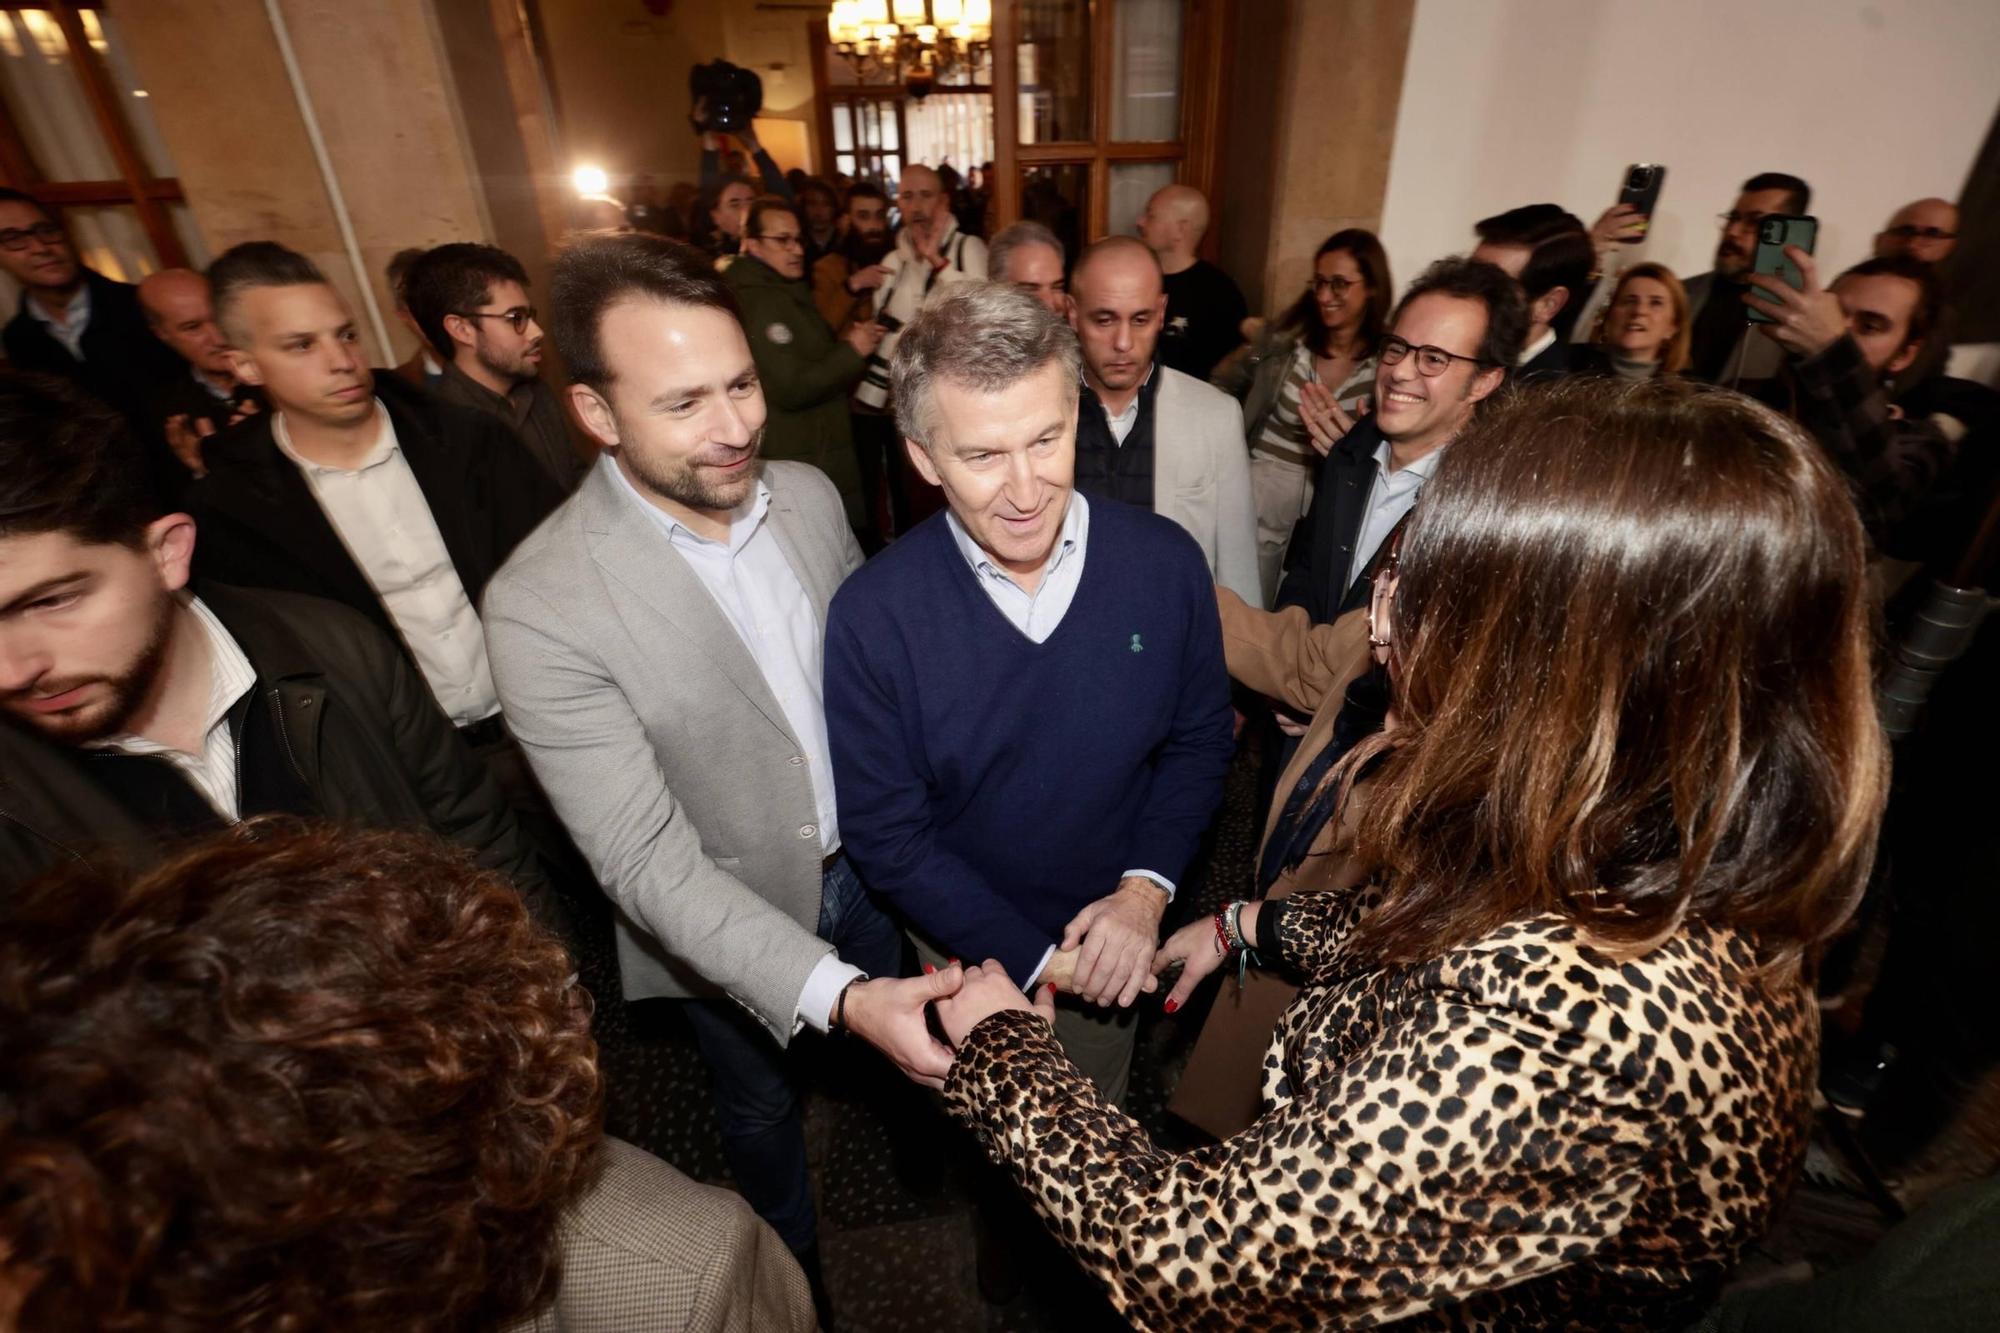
(668, 759)
(1201, 477)
(646, 1250)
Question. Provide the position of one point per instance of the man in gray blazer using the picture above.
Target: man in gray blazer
(657, 643)
(1149, 435)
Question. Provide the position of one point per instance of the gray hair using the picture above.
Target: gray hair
(1028, 232)
(979, 335)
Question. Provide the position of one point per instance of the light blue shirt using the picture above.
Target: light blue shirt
(760, 595)
(69, 330)
(1391, 495)
(1038, 613)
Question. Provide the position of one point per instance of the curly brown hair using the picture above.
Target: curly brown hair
(297, 1077)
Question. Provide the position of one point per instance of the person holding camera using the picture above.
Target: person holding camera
(806, 371)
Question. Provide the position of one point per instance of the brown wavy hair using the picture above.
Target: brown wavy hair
(1631, 664)
(297, 1077)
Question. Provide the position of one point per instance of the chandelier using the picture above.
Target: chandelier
(918, 43)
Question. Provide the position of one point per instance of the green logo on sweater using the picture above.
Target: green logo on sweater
(1137, 647)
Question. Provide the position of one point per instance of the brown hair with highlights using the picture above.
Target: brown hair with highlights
(296, 1077)
(1631, 665)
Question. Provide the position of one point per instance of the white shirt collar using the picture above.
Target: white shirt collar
(230, 676)
(385, 445)
(1421, 469)
(1537, 347)
(1072, 540)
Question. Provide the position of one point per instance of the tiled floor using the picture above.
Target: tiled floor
(897, 1229)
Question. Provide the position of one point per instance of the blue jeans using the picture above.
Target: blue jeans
(763, 1134)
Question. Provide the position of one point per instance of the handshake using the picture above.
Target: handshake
(1109, 954)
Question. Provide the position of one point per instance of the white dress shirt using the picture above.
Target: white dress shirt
(1122, 422)
(1536, 348)
(1038, 613)
(762, 598)
(1391, 495)
(212, 771)
(68, 330)
(380, 514)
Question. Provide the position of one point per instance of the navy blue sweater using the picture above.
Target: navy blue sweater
(990, 786)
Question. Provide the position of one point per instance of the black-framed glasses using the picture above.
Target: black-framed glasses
(1907, 231)
(1431, 361)
(1735, 219)
(789, 240)
(18, 238)
(1332, 286)
(520, 317)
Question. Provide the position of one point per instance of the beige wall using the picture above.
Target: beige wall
(1307, 152)
(387, 107)
(620, 77)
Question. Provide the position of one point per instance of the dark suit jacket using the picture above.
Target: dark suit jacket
(1323, 543)
(122, 362)
(360, 727)
(1559, 359)
(260, 526)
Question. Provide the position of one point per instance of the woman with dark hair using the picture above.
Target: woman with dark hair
(1552, 1061)
(307, 1077)
(1319, 352)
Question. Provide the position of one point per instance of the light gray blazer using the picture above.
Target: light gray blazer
(1201, 477)
(656, 739)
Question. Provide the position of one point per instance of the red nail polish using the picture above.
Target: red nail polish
(954, 962)
(928, 969)
(1172, 1005)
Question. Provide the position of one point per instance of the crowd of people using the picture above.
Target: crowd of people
(872, 612)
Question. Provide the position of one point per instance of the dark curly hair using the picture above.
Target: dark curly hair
(297, 1077)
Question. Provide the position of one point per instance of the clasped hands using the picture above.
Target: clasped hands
(1107, 956)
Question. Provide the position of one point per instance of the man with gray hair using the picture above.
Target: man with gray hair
(1025, 695)
(1031, 257)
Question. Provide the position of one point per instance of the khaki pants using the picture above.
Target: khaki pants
(1098, 1041)
(1282, 492)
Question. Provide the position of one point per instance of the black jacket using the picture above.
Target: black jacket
(259, 525)
(358, 723)
(1323, 543)
(123, 363)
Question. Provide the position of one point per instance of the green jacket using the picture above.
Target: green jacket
(807, 375)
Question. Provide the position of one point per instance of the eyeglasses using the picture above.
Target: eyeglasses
(1332, 286)
(1906, 231)
(17, 238)
(520, 317)
(790, 240)
(1735, 219)
(1431, 361)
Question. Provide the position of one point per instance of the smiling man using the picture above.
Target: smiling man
(1025, 694)
(472, 304)
(657, 643)
(1451, 343)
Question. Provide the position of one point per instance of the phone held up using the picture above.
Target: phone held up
(1775, 231)
(1641, 193)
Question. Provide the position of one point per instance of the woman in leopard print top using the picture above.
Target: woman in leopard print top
(1551, 1061)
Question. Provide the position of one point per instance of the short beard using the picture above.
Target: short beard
(514, 372)
(127, 689)
(683, 483)
(866, 250)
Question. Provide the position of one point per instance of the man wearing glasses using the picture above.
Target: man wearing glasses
(806, 371)
(1722, 350)
(1451, 343)
(471, 302)
(357, 487)
(73, 321)
(1926, 231)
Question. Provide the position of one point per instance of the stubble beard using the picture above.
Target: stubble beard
(127, 689)
(684, 484)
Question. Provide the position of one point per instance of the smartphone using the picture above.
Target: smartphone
(1774, 233)
(1642, 192)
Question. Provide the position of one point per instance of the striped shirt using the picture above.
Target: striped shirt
(1284, 435)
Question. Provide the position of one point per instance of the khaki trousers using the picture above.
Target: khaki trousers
(1282, 492)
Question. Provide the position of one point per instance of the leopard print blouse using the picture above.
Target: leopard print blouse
(1523, 1133)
